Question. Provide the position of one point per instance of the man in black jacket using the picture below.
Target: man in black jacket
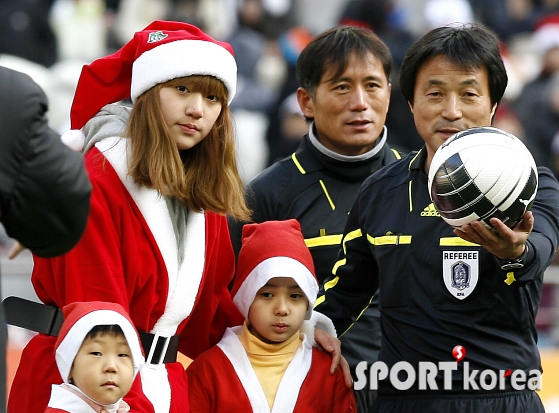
(44, 189)
(446, 347)
(344, 93)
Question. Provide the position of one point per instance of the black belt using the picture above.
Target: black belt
(159, 349)
(48, 319)
(33, 316)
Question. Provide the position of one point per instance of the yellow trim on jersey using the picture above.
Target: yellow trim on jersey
(396, 153)
(327, 286)
(319, 300)
(331, 283)
(510, 278)
(337, 265)
(350, 236)
(324, 240)
(456, 242)
(390, 240)
(359, 316)
(297, 164)
(414, 158)
(327, 194)
(410, 196)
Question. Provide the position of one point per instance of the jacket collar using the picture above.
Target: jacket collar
(314, 158)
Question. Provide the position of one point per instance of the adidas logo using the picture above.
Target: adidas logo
(430, 211)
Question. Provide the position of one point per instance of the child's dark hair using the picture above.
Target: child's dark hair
(113, 329)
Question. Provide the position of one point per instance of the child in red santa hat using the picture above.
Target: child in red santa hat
(268, 364)
(164, 177)
(98, 355)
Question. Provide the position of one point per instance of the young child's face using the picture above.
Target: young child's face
(103, 368)
(278, 310)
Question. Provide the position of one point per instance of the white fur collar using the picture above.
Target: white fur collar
(291, 382)
(184, 281)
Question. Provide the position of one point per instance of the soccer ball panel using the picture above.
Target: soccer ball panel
(482, 173)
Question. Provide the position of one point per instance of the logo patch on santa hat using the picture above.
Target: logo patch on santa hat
(156, 36)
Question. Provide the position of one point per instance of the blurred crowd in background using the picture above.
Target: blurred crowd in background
(52, 39)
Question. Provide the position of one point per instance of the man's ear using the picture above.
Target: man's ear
(306, 102)
(410, 104)
(389, 95)
(493, 111)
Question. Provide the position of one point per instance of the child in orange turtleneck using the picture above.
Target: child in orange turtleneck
(268, 364)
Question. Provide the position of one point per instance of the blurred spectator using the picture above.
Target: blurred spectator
(281, 139)
(383, 18)
(442, 12)
(546, 40)
(134, 15)
(533, 105)
(260, 68)
(80, 29)
(292, 121)
(509, 18)
(268, 17)
(25, 31)
(288, 129)
(318, 15)
(507, 120)
(506, 18)
(552, 119)
(250, 48)
(185, 11)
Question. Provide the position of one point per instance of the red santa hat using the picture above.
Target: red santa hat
(164, 50)
(79, 319)
(273, 249)
(546, 33)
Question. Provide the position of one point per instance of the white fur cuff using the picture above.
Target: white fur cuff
(318, 320)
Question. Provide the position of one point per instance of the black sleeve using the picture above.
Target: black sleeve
(544, 238)
(44, 188)
(343, 297)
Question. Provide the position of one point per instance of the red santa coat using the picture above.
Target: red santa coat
(223, 380)
(129, 255)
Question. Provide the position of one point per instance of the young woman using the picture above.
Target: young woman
(156, 241)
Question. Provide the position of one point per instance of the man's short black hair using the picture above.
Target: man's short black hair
(333, 50)
(468, 46)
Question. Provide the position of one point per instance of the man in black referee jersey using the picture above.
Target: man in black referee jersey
(344, 93)
(464, 348)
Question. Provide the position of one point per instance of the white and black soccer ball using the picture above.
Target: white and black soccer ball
(480, 173)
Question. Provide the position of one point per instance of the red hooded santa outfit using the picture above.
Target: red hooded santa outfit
(129, 254)
(223, 379)
(79, 319)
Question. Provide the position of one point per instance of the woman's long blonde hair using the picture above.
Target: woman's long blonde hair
(204, 177)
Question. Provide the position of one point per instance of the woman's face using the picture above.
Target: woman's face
(189, 115)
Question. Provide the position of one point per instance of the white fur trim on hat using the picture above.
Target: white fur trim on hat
(271, 268)
(183, 58)
(70, 345)
(546, 38)
(74, 139)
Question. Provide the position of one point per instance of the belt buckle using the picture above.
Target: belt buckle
(156, 339)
